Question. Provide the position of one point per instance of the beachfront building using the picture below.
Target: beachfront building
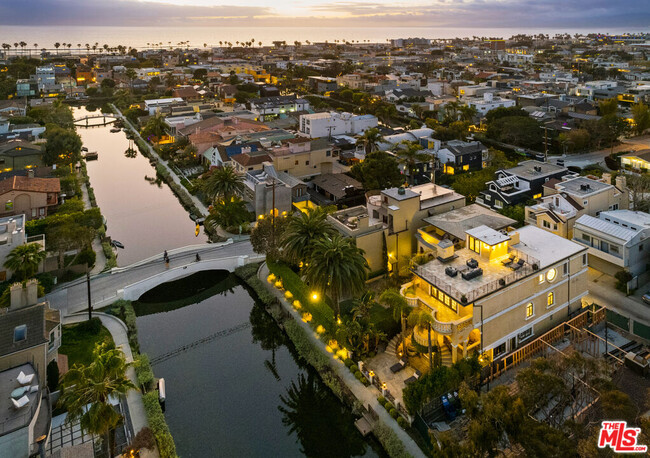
(498, 292)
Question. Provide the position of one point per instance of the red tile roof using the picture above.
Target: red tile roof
(27, 184)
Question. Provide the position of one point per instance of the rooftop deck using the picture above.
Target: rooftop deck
(495, 274)
(12, 419)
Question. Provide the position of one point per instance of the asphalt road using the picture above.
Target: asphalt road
(598, 157)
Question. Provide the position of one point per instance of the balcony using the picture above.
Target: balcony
(446, 321)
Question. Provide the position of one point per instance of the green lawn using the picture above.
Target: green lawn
(79, 340)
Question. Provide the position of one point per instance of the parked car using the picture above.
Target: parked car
(646, 298)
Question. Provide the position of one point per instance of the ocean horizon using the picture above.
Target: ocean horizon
(46, 36)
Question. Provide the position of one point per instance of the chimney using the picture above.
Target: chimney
(607, 178)
(16, 299)
(30, 173)
(32, 291)
(621, 182)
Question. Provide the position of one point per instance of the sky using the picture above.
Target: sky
(575, 14)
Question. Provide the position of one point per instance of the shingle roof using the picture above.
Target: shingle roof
(33, 317)
(20, 183)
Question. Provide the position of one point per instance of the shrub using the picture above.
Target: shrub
(143, 372)
(393, 413)
(305, 347)
(388, 406)
(402, 422)
(46, 280)
(389, 440)
(87, 256)
(348, 362)
(144, 439)
(158, 425)
(382, 400)
(247, 271)
(263, 294)
(52, 376)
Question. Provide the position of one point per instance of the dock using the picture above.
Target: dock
(92, 156)
(364, 425)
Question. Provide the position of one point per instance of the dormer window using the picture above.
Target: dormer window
(20, 333)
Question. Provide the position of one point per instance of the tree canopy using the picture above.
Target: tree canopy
(379, 170)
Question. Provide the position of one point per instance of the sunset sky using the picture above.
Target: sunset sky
(287, 13)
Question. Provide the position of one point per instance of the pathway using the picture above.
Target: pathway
(118, 330)
(200, 205)
(367, 396)
(100, 260)
(72, 297)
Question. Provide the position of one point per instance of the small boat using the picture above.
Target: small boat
(92, 156)
(115, 129)
(161, 393)
(84, 149)
(117, 244)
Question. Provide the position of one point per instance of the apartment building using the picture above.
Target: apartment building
(499, 291)
(267, 188)
(520, 183)
(393, 217)
(616, 240)
(352, 80)
(267, 108)
(334, 123)
(567, 200)
(303, 157)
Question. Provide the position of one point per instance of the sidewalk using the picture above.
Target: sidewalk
(197, 202)
(100, 260)
(367, 396)
(118, 331)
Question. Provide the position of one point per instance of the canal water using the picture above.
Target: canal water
(144, 215)
(235, 386)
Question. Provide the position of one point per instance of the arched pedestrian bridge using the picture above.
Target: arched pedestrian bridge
(86, 120)
(130, 282)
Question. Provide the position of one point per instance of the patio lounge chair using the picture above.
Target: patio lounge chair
(508, 261)
(413, 377)
(22, 402)
(25, 379)
(518, 265)
(398, 366)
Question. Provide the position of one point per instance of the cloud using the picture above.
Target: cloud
(534, 14)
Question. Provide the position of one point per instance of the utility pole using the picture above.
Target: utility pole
(90, 307)
(273, 212)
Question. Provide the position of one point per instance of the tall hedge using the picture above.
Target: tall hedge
(158, 425)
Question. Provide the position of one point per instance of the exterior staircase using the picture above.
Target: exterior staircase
(445, 353)
(391, 348)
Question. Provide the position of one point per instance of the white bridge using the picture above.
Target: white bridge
(106, 119)
(130, 282)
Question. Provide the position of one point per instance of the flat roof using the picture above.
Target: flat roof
(11, 418)
(456, 222)
(544, 246)
(487, 235)
(581, 186)
(526, 169)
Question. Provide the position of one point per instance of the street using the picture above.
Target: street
(598, 157)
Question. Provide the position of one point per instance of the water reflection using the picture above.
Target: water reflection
(324, 428)
(242, 394)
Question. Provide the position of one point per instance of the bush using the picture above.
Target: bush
(52, 376)
(124, 311)
(348, 363)
(305, 347)
(382, 400)
(164, 439)
(143, 372)
(622, 279)
(393, 413)
(247, 271)
(46, 280)
(402, 422)
(87, 256)
(263, 294)
(144, 439)
(389, 440)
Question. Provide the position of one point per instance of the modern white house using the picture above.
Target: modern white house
(489, 102)
(155, 105)
(267, 108)
(617, 240)
(334, 123)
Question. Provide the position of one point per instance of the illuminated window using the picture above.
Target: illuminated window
(550, 299)
(551, 274)
(537, 196)
(529, 310)
(541, 278)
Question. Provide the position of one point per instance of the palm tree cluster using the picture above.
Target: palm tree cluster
(331, 263)
(225, 188)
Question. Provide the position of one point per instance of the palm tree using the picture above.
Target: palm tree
(57, 45)
(223, 182)
(370, 140)
(394, 300)
(410, 155)
(303, 231)
(229, 212)
(361, 308)
(338, 267)
(423, 318)
(24, 260)
(131, 74)
(94, 385)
